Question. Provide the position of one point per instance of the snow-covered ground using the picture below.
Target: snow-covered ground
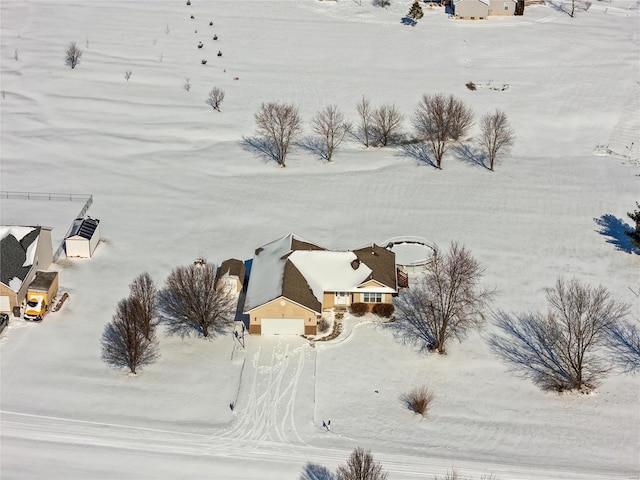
(172, 181)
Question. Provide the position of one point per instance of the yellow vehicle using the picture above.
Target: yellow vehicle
(40, 295)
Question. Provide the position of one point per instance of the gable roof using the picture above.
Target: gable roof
(268, 272)
(17, 254)
(382, 263)
(84, 227)
(302, 271)
(232, 267)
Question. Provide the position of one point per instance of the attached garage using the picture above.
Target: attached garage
(282, 326)
(5, 303)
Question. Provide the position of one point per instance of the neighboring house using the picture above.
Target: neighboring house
(231, 274)
(481, 9)
(293, 281)
(83, 238)
(23, 251)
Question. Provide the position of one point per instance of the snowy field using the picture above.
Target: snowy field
(172, 181)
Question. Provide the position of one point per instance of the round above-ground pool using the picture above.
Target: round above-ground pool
(412, 253)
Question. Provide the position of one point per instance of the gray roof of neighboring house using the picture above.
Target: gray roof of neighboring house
(381, 261)
(84, 227)
(13, 255)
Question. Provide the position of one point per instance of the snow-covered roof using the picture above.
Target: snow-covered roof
(330, 271)
(18, 232)
(302, 272)
(18, 248)
(267, 271)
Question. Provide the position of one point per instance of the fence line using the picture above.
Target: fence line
(72, 197)
(87, 198)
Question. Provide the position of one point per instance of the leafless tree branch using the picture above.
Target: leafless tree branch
(441, 120)
(329, 124)
(445, 303)
(72, 55)
(386, 124)
(191, 300)
(496, 135)
(280, 124)
(561, 350)
(361, 466)
(124, 343)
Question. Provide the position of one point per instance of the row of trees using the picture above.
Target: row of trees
(191, 301)
(572, 346)
(439, 121)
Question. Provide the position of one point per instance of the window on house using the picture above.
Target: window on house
(370, 297)
(506, 6)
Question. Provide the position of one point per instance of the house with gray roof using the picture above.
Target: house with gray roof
(23, 251)
(293, 281)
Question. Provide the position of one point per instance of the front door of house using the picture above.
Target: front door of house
(342, 298)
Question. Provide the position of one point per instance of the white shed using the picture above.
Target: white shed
(83, 237)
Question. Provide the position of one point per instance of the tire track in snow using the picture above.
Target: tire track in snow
(266, 406)
(49, 432)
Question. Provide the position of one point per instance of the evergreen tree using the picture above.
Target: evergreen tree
(635, 234)
(415, 13)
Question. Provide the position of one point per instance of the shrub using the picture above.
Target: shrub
(383, 309)
(323, 325)
(471, 86)
(359, 309)
(418, 400)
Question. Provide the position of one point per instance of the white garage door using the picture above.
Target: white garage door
(5, 304)
(282, 326)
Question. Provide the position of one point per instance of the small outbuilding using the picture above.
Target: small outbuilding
(83, 237)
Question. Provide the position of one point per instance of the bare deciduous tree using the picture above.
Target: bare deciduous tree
(624, 346)
(366, 113)
(361, 466)
(124, 343)
(280, 124)
(440, 120)
(192, 300)
(561, 350)
(216, 96)
(496, 135)
(445, 303)
(144, 292)
(331, 126)
(386, 124)
(72, 55)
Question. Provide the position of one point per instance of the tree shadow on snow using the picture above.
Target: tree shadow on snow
(559, 6)
(261, 146)
(315, 146)
(418, 151)
(614, 228)
(470, 154)
(408, 21)
(313, 471)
